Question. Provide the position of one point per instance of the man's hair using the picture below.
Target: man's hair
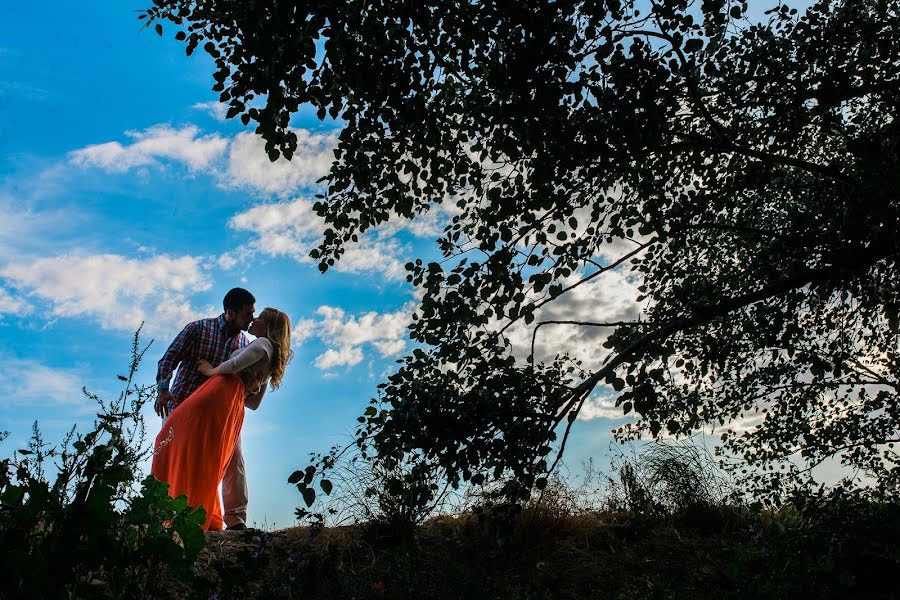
(237, 298)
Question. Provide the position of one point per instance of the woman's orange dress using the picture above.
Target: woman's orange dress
(197, 441)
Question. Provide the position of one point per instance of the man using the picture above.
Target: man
(213, 340)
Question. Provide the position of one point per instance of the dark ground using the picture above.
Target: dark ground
(706, 552)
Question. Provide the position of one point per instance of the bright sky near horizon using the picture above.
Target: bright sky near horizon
(126, 197)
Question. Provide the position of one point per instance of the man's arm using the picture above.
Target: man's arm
(174, 355)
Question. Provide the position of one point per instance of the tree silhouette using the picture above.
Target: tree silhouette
(746, 162)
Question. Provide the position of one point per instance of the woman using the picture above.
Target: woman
(197, 440)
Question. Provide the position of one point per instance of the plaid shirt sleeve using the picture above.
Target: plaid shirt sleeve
(175, 354)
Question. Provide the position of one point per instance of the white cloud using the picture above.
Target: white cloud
(13, 305)
(249, 165)
(619, 247)
(185, 145)
(385, 330)
(428, 225)
(344, 356)
(610, 297)
(217, 110)
(291, 228)
(24, 229)
(227, 261)
(303, 330)
(240, 161)
(117, 292)
(345, 336)
(601, 407)
(372, 256)
(28, 382)
(389, 347)
(288, 228)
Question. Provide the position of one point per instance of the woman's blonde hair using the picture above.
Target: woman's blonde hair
(278, 331)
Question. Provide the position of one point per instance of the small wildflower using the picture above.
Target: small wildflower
(378, 586)
(256, 539)
(290, 560)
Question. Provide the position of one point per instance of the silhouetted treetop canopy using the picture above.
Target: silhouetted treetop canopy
(742, 167)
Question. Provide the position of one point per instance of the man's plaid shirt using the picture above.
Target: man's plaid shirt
(201, 339)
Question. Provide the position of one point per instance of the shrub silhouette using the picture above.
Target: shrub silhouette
(88, 531)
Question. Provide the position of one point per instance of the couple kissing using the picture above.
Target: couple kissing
(219, 373)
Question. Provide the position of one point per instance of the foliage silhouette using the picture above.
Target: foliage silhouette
(743, 167)
(88, 531)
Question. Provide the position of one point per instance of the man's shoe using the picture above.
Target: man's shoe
(236, 527)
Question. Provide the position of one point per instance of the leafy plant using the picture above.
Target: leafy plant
(87, 530)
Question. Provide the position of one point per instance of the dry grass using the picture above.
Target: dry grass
(547, 555)
(661, 532)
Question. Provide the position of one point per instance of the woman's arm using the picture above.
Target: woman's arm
(252, 401)
(250, 355)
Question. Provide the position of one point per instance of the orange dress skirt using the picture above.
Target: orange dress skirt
(197, 441)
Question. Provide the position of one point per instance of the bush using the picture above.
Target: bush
(391, 499)
(824, 544)
(88, 531)
(668, 478)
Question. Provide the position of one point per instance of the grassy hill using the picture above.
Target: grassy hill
(702, 552)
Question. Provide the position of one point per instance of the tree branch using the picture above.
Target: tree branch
(712, 313)
(582, 324)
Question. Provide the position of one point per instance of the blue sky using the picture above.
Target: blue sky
(125, 197)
